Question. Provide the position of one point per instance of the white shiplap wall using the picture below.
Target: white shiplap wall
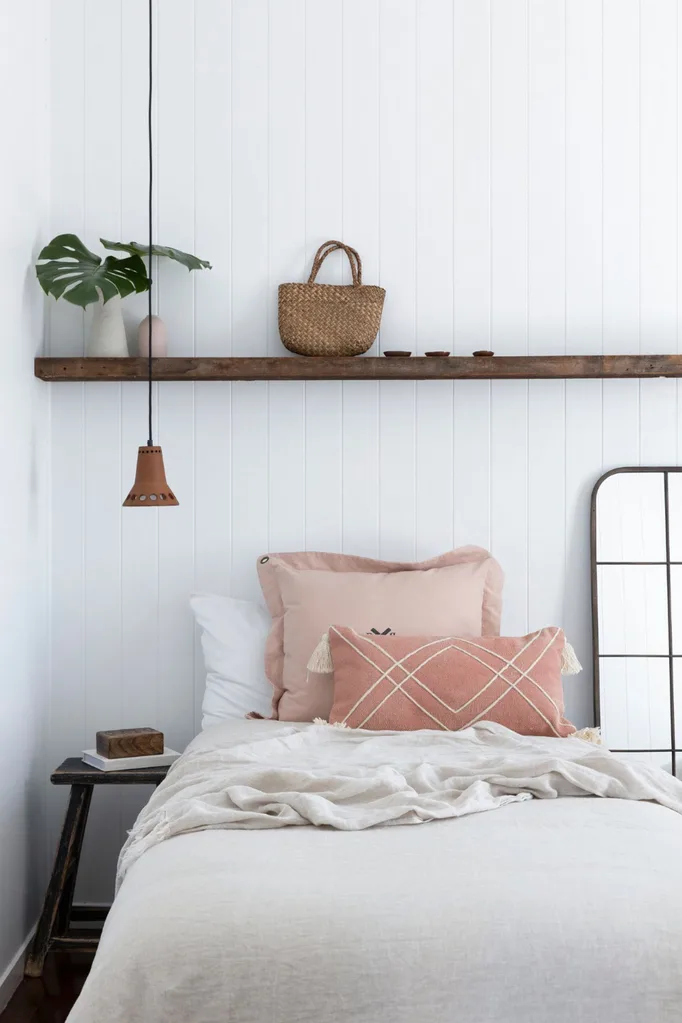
(24, 441)
(508, 170)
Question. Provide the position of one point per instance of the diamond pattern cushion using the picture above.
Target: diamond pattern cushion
(410, 682)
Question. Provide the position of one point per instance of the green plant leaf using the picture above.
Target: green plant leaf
(69, 246)
(186, 258)
(73, 272)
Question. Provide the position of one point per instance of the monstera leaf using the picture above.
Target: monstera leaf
(186, 258)
(73, 272)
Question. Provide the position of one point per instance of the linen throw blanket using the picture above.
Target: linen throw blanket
(354, 779)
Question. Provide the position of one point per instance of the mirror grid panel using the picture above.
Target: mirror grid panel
(637, 594)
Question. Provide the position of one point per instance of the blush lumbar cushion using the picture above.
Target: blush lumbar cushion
(457, 593)
(411, 682)
(233, 635)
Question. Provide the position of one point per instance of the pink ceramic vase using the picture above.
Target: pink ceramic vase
(159, 338)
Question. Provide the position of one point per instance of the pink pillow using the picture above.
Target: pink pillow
(459, 592)
(409, 682)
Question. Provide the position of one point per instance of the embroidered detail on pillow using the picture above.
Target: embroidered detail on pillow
(404, 683)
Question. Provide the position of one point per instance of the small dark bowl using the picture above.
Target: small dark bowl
(436, 355)
(483, 354)
(397, 355)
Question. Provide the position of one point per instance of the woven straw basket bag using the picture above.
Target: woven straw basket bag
(330, 319)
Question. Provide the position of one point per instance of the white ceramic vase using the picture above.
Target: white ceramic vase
(107, 333)
(159, 338)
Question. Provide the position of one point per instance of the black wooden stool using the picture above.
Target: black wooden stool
(58, 909)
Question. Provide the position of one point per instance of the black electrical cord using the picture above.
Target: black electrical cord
(150, 440)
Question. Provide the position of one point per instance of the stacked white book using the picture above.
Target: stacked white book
(94, 759)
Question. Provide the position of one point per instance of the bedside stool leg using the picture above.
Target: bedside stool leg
(63, 879)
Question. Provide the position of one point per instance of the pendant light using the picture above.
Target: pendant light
(150, 488)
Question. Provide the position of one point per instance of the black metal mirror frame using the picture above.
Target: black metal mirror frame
(665, 471)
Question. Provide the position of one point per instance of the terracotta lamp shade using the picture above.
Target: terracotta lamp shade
(150, 489)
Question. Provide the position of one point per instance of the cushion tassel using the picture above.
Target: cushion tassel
(320, 662)
(588, 735)
(570, 665)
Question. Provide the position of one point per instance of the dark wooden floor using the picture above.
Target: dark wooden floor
(49, 998)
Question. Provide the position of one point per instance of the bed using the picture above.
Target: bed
(537, 910)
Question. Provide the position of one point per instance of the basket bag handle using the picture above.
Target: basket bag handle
(332, 246)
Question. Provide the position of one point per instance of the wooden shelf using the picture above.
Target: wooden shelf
(530, 367)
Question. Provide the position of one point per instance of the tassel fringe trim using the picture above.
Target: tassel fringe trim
(589, 735)
(320, 662)
(570, 665)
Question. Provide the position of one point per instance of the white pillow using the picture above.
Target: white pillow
(233, 640)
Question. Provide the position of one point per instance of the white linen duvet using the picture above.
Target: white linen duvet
(547, 910)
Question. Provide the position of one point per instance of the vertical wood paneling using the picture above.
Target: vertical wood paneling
(621, 217)
(361, 136)
(547, 177)
(508, 171)
(139, 575)
(398, 170)
(509, 175)
(546, 308)
(360, 469)
(471, 241)
(509, 498)
(67, 160)
(678, 35)
(287, 467)
(212, 319)
(212, 309)
(583, 467)
(361, 211)
(103, 625)
(398, 47)
(287, 251)
(249, 176)
(133, 155)
(434, 172)
(584, 237)
(324, 219)
(248, 508)
(176, 566)
(176, 193)
(509, 212)
(140, 644)
(658, 223)
(323, 466)
(546, 503)
(68, 704)
(472, 253)
(435, 275)
(658, 176)
(286, 154)
(67, 729)
(212, 95)
(174, 171)
(621, 190)
(102, 452)
(472, 464)
(584, 250)
(249, 186)
(434, 476)
(397, 471)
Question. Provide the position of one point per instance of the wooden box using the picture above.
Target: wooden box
(129, 742)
